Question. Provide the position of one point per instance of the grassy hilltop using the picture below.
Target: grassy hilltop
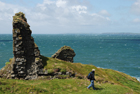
(107, 81)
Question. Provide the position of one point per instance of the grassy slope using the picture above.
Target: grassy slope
(107, 81)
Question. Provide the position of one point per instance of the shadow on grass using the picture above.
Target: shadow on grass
(44, 60)
(2, 83)
(98, 88)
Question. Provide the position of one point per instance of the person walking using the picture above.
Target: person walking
(91, 78)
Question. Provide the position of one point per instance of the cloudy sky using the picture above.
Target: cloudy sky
(73, 16)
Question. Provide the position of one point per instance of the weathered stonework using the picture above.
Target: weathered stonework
(65, 53)
(27, 62)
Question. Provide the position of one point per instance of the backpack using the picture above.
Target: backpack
(89, 76)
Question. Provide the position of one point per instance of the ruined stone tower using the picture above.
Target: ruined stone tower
(27, 63)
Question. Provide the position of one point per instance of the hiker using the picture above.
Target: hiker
(91, 78)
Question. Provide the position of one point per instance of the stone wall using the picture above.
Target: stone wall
(27, 62)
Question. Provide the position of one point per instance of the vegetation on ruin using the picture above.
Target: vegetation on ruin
(20, 18)
(64, 48)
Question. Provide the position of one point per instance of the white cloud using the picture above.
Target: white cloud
(58, 15)
(2, 4)
(104, 13)
(0, 18)
(48, 2)
(61, 3)
(62, 12)
(8, 10)
(80, 9)
(99, 19)
(136, 20)
(45, 2)
(135, 8)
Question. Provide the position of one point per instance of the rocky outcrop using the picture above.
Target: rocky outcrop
(26, 63)
(65, 53)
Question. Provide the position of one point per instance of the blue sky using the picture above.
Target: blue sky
(73, 16)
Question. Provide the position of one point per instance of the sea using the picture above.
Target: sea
(119, 52)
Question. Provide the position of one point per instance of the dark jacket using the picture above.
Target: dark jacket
(92, 75)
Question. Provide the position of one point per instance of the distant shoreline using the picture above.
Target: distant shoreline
(85, 34)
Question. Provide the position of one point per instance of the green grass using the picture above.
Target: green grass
(50, 71)
(59, 86)
(107, 81)
(125, 80)
(7, 63)
(63, 70)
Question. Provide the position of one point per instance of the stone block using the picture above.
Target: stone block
(15, 42)
(15, 49)
(17, 31)
(13, 75)
(19, 52)
(20, 63)
(59, 73)
(14, 35)
(21, 72)
(46, 72)
(17, 67)
(67, 73)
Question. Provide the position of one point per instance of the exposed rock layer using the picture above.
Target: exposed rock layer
(65, 53)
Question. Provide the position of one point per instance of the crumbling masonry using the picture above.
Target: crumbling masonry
(27, 62)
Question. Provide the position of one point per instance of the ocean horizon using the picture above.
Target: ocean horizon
(119, 52)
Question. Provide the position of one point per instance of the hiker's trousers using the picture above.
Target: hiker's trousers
(92, 84)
